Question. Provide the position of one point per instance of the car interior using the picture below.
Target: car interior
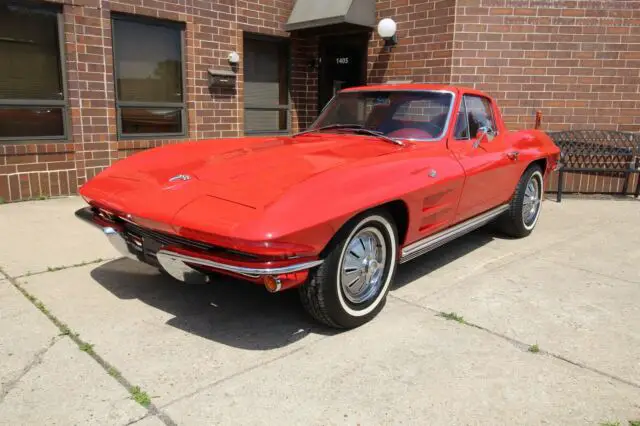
(389, 120)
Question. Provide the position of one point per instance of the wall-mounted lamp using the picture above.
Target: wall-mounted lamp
(234, 58)
(387, 30)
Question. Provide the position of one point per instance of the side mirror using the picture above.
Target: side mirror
(484, 135)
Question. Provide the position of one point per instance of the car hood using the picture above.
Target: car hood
(252, 172)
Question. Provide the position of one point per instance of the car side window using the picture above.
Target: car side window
(479, 114)
(462, 126)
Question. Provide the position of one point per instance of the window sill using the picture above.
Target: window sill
(152, 136)
(35, 140)
(267, 132)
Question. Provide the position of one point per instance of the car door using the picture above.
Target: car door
(485, 163)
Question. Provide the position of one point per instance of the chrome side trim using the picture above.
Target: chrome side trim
(431, 242)
(176, 265)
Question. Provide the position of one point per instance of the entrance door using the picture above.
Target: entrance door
(343, 63)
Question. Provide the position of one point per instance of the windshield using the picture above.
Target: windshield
(415, 115)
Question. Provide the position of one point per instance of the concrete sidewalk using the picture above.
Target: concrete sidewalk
(80, 329)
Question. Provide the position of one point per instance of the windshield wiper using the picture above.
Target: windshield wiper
(356, 128)
(379, 135)
(329, 127)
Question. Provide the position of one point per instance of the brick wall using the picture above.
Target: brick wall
(577, 61)
(423, 52)
(304, 82)
(213, 28)
(425, 42)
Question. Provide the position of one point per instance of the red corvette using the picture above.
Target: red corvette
(385, 174)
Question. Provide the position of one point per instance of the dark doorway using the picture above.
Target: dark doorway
(343, 63)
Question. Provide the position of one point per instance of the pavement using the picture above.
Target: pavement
(483, 331)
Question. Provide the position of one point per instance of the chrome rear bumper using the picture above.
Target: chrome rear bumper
(177, 264)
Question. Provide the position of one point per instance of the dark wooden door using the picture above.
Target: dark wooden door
(343, 63)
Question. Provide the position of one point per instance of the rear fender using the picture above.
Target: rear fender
(535, 145)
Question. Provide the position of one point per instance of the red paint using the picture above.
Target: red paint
(280, 197)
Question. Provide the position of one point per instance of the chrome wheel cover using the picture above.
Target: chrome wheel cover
(531, 202)
(362, 265)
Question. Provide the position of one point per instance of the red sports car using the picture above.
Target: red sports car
(385, 174)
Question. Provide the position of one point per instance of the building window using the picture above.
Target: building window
(266, 85)
(149, 75)
(32, 89)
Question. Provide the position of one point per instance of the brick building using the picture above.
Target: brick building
(84, 83)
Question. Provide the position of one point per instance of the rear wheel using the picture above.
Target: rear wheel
(351, 286)
(524, 209)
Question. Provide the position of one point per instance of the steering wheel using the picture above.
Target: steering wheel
(434, 129)
(417, 133)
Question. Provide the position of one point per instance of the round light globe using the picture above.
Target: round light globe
(234, 58)
(387, 28)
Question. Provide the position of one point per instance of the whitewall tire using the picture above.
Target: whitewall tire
(526, 204)
(351, 286)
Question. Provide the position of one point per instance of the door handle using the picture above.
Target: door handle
(513, 155)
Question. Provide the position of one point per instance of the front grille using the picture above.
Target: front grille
(155, 240)
(167, 239)
(147, 242)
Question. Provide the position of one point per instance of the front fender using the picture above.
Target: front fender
(330, 199)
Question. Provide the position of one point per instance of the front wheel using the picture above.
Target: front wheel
(524, 209)
(351, 286)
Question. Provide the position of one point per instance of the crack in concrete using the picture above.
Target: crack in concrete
(525, 346)
(498, 263)
(459, 280)
(515, 342)
(8, 386)
(579, 268)
(242, 372)
(132, 422)
(152, 409)
(232, 376)
(63, 267)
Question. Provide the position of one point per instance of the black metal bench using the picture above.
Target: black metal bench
(593, 151)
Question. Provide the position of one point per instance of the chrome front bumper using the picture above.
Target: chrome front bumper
(177, 264)
(112, 234)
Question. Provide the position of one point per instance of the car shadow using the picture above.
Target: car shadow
(228, 311)
(442, 256)
(242, 314)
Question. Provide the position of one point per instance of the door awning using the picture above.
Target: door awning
(318, 13)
